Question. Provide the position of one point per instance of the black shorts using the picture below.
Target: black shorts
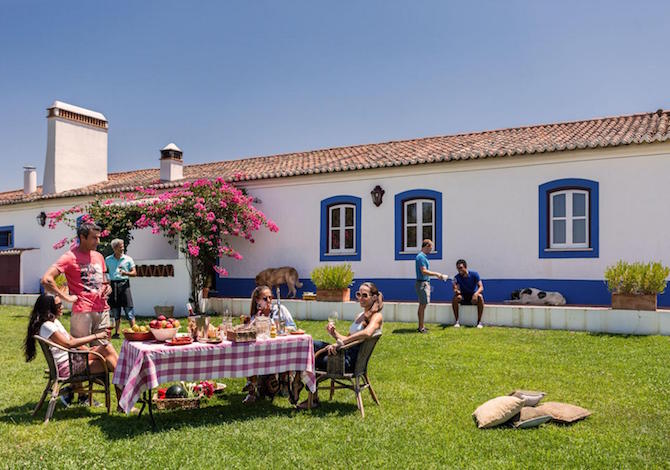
(120, 296)
(467, 298)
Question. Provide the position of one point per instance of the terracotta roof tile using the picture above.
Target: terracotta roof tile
(528, 140)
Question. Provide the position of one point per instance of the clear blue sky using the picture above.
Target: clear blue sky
(228, 80)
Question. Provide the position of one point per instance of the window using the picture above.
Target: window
(418, 215)
(7, 237)
(341, 229)
(569, 219)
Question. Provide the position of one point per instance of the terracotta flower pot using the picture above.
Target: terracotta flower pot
(334, 295)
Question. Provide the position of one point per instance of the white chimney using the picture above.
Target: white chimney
(76, 148)
(172, 166)
(29, 179)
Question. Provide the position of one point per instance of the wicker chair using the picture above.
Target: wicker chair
(55, 382)
(358, 379)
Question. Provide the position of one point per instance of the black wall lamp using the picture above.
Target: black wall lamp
(42, 219)
(377, 195)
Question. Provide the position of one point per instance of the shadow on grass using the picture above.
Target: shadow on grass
(404, 331)
(228, 409)
(22, 414)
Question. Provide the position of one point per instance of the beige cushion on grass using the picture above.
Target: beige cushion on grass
(563, 412)
(530, 397)
(530, 417)
(497, 411)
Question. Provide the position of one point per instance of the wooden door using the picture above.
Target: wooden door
(10, 268)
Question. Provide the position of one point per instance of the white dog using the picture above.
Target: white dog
(533, 296)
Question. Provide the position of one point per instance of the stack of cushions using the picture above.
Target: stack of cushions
(520, 410)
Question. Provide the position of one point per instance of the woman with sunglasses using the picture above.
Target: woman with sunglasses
(364, 326)
(261, 305)
(45, 322)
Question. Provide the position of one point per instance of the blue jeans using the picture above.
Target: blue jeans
(321, 362)
(128, 311)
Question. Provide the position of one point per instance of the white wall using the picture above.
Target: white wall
(490, 215)
(150, 291)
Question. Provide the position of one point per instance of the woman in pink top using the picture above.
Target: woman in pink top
(45, 322)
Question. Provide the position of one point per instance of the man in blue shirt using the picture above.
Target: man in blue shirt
(468, 290)
(422, 284)
(120, 266)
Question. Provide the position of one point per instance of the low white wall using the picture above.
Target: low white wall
(593, 319)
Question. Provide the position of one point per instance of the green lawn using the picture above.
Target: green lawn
(428, 386)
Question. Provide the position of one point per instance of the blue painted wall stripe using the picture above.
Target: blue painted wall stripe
(583, 292)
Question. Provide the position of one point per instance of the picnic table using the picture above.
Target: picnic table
(144, 365)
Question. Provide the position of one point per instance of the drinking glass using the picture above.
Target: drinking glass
(332, 318)
(110, 328)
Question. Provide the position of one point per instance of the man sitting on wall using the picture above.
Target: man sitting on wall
(468, 290)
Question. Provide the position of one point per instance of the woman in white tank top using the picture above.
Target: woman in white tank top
(364, 326)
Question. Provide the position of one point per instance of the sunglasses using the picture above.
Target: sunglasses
(267, 298)
(59, 306)
(362, 295)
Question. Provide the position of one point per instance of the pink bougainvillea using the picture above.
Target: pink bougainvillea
(196, 217)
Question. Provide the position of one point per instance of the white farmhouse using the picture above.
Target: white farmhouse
(546, 206)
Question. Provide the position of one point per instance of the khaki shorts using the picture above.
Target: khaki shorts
(422, 289)
(89, 323)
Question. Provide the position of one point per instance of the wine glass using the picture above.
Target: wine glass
(332, 318)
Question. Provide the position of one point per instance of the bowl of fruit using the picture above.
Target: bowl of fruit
(137, 333)
(163, 328)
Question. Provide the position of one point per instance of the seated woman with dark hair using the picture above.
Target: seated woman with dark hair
(364, 326)
(44, 321)
(267, 385)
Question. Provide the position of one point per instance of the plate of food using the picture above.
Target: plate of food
(298, 332)
(179, 341)
(210, 340)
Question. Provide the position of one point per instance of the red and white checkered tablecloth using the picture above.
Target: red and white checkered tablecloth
(146, 365)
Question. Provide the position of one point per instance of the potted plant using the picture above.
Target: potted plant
(332, 282)
(635, 286)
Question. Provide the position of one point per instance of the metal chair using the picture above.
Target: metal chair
(55, 381)
(358, 379)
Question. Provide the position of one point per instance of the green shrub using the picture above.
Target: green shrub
(338, 276)
(637, 278)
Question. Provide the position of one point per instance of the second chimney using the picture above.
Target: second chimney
(172, 165)
(29, 179)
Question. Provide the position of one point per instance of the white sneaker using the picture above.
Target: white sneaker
(479, 325)
(457, 325)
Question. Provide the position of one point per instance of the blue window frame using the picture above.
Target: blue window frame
(340, 229)
(418, 215)
(7, 237)
(569, 219)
